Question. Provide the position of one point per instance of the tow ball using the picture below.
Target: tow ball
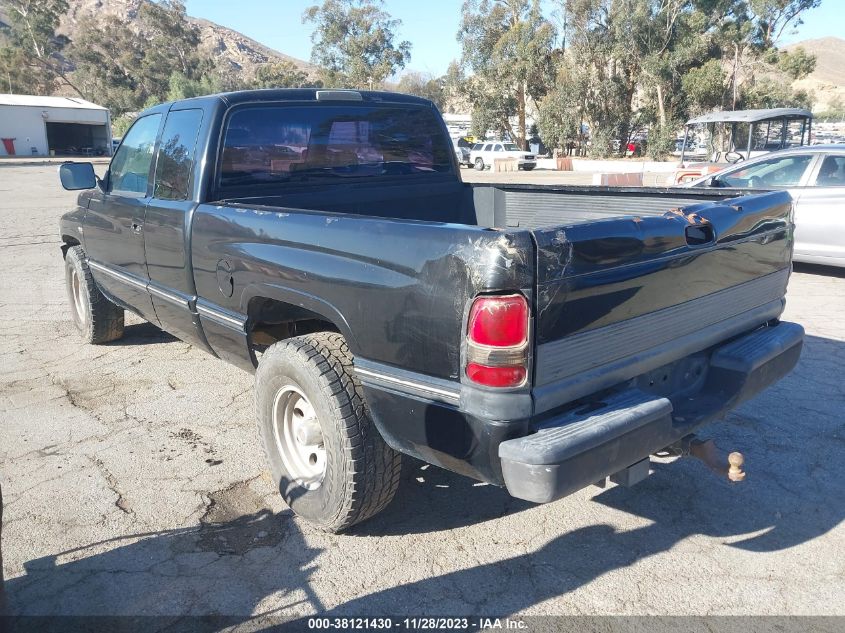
(715, 459)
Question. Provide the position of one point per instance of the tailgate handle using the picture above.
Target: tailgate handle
(698, 234)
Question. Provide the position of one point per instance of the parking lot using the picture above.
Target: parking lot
(133, 483)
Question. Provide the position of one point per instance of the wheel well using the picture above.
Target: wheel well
(67, 242)
(271, 320)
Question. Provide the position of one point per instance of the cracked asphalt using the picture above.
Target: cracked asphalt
(134, 483)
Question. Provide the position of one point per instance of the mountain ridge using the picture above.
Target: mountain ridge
(226, 46)
(827, 81)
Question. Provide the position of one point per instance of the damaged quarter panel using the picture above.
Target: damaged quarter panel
(397, 289)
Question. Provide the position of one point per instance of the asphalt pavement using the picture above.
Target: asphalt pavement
(134, 483)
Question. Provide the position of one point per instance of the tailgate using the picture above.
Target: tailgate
(619, 297)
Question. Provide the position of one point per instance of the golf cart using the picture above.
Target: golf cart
(741, 134)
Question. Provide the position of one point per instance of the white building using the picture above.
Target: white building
(59, 126)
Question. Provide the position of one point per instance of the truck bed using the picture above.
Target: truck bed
(492, 206)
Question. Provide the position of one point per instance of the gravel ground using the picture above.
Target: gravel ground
(134, 484)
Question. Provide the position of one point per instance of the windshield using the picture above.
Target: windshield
(510, 147)
(279, 143)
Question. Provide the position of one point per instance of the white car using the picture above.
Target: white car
(815, 177)
(483, 155)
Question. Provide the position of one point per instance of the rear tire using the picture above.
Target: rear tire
(327, 458)
(96, 318)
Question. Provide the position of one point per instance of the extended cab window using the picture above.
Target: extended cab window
(175, 163)
(130, 167)
(277, 144)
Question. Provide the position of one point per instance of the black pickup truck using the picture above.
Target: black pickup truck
(537, 337)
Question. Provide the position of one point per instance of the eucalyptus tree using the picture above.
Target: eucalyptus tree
(354, 43)
(508, 45)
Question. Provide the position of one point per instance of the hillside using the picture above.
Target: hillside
(828, 80)
(226, 45)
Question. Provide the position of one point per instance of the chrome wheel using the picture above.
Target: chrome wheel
(77, 298)
(299, 437)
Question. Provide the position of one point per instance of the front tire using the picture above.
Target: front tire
(96, 318)
(479, 164)
(326, 456)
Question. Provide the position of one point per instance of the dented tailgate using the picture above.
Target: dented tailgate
(622, 296)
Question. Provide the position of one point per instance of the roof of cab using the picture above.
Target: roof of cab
(294, 94)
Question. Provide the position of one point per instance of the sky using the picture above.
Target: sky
(430, 26)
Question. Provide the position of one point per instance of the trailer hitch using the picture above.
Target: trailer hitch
(714, 458)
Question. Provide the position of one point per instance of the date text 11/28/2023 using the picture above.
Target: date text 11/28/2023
(417, 624)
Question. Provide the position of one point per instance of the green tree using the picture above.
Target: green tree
(127, 69)
(32, 54)
(508, 45)
(106, 57)
(283, 74)
(606, 68)
(705, 87)
(560, 113)
(747, 33)
(170, 47)
(354, 43)
(424, 85)
(455, 96)
(797, 64)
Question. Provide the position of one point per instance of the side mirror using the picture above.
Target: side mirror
(713, 181)
(75, 176)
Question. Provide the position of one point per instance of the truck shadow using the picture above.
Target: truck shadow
(818, 269)
(144, 333)
(263, 563)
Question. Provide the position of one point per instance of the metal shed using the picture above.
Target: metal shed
(60, 126)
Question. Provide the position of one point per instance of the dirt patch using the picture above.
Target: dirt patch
(237, 520)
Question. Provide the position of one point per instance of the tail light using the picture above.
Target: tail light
(497, 341)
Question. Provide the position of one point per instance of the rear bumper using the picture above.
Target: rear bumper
(603, 437)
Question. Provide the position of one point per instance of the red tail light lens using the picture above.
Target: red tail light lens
(496, 376)
(497, 341)
(499, 321)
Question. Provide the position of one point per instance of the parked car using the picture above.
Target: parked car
(463, 147)
(815, 178)
(533, 337)
(483, 155)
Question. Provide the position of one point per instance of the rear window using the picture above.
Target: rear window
(278, 144)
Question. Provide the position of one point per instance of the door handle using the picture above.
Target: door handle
(137, 227)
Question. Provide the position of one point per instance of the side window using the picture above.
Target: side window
(785, 171)
(487, 147)
(832, 172)
(175, 164)
(130, 167)
(498, 148)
